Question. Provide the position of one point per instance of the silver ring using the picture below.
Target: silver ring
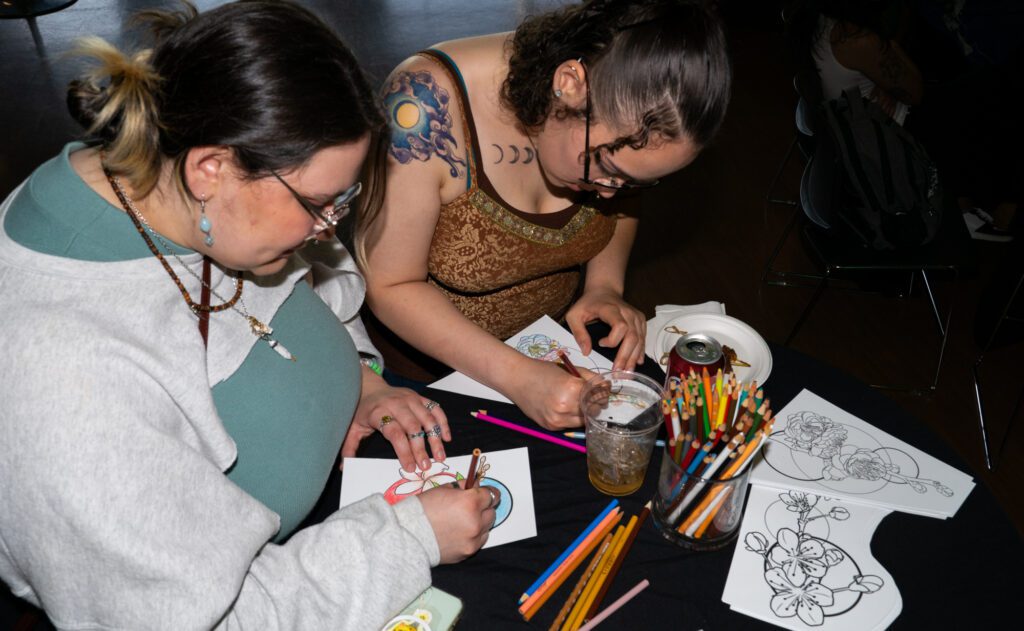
(417, 435)
(430, 405)
(494, 498)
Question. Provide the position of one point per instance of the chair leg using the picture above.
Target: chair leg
(935, 307)
(778, 174)
(981, 415)
(810, 305)
(778, 247)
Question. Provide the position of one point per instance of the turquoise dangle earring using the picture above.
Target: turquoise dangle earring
(204, 222)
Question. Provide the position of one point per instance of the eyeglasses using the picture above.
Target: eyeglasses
(332, 212)
(613, 182)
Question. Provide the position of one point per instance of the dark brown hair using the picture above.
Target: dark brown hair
(658, 67)
(268, 79)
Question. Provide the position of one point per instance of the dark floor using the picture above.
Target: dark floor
(706, 233)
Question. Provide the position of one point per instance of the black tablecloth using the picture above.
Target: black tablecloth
(963, 572)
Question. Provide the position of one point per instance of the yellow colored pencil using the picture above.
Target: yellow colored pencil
(575, 618)
(541, 595)
(580, 584)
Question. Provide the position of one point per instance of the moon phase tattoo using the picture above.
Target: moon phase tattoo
(417, 110)
(520, 155)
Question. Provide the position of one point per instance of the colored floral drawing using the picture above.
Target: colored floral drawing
(819, 437)
(539, 346)
(806, 572)
(418, 481)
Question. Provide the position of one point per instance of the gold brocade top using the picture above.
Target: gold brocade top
(501, 267)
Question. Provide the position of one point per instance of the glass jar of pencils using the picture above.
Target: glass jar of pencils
(695, 512)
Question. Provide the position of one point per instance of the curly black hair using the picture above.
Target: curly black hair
(659, 67)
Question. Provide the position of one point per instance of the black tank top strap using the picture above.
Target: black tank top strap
(468, 127)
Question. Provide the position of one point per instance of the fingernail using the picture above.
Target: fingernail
(425, 464)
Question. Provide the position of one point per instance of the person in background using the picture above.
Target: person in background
(503, 152)
(183, 366)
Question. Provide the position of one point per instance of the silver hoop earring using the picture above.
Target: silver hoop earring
(205, 225)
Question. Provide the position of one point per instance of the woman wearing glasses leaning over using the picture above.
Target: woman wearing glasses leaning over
(180, 377)
(502, 150)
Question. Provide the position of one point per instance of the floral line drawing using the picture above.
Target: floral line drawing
(820, 437)
(797, 564)
(545, 348)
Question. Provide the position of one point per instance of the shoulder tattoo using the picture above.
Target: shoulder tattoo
(417, 112)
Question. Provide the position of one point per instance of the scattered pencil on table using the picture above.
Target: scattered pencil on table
(583, 436)
(483, 416)
(610, 542)
(615, 606)
(728, 423)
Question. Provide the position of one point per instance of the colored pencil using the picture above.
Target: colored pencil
(615, 606)
(618, 562)
(583, 436)
(575, 619)
(587, 573)
(572, 546)
(471, 474)
(532, 604)
(568, 363)
(483, 416)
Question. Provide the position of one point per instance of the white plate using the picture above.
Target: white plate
(728, 331)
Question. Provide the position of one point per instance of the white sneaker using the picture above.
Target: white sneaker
(981, 226)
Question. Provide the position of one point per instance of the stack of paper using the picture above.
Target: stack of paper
(823, 484)
(819, 448)
(804, 561)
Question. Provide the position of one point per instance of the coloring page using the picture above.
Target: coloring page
(819, 448)
(507, 470)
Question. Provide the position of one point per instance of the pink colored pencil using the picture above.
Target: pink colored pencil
(615, 606)
(482, 415)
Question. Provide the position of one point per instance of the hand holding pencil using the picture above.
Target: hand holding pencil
(461, 517)
(547, 393)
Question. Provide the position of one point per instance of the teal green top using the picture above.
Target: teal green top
(287, 419)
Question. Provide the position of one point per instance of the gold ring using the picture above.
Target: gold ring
(384, 420)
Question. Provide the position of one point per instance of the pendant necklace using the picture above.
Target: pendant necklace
(235, 303)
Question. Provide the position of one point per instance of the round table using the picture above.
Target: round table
(962, 572)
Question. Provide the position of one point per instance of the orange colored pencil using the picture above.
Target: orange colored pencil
(541, 595)
(618, 562)
(571, 600)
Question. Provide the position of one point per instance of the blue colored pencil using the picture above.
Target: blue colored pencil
(572, 546)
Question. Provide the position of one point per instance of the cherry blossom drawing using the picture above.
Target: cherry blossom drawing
(811, 577)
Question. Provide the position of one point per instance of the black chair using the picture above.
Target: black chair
(821, 195)
(29, 10)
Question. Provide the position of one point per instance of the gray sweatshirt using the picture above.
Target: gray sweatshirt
(115, 512)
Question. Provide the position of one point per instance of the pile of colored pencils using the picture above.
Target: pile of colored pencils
(611, 541)
(715, 426)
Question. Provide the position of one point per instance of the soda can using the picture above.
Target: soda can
(694, 351)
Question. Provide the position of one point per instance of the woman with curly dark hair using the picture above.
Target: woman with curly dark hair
(502, 150)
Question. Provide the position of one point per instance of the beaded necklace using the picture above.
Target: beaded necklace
(258, 328)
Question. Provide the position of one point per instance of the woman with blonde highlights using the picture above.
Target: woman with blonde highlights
(187, 365)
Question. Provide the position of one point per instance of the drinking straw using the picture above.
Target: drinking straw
(471, 474)
(529, 608)
(564, 612)
(572, 546)
(618, 561)
(615, 606)
(482, 415)
(576, 617)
